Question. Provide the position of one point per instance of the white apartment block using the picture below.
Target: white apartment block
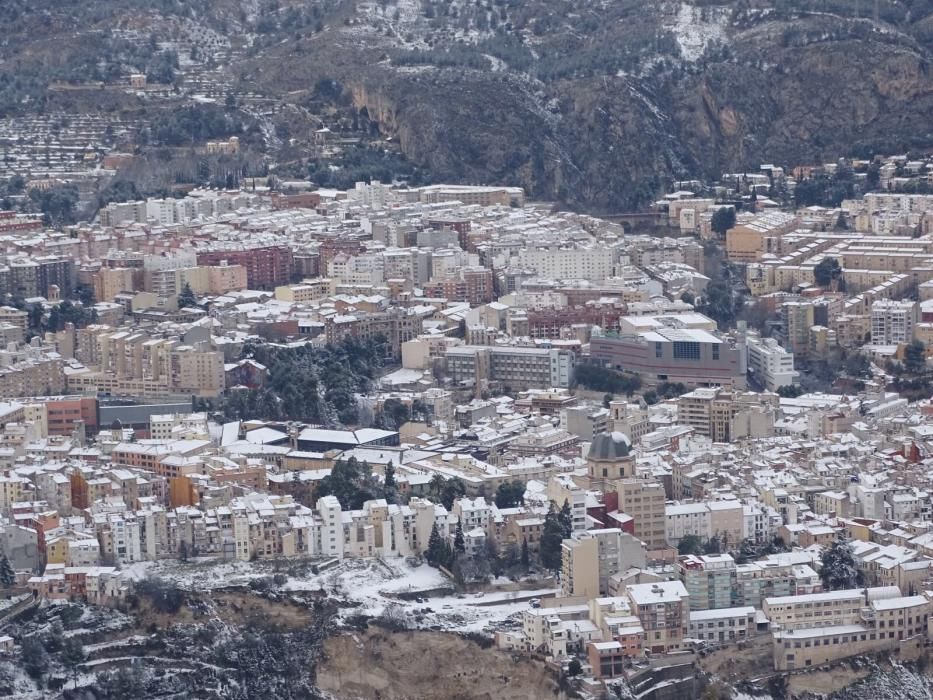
(588, 263)
(892, 322)
(769, 362)
(358, 269)
(687, 519)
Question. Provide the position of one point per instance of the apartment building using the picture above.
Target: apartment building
(109, 282)
(516, 367)
(196, 372)
(724, 416)
(267, 267)
(747, 241)
(687, 520)
(467, 284)
(709, 579)
(591, 557)
(645, 502)
(797, 318)
(309, 290)
(129, 362)
(663, 609)
(881, 624)
(770, 364)
(892, 322)
(582, 262)
(483, 196)
(721, 626)
(585, 421)
(30, 370)
(820, 609)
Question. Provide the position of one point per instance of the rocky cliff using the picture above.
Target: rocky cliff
(600, 104)
(596, 103)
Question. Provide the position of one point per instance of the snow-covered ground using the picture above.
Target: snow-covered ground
(366, 586)
(373, 586)
(696, 28)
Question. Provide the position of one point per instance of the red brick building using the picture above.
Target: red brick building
(11, 222)
(547, 323)
(472, 284)
(266, 267)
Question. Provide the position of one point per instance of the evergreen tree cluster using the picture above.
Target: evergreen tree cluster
(440, 552)
(723, 220)
(187, 298)
(598, 378)
(316, 385)
(69, 312)
(839, 570)
(558, 526)
(353, 483)
(193, 124)
(445, 491)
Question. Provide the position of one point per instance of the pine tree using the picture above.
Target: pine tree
(73, 656)
(551, 539)
(7, 575)
(566, 520)
(435, 547)
(390, 476)
(34, 658)
(390, 488)
(187, 299)
(447, 557)
(526, 561)
(459, 542)
(838, 569)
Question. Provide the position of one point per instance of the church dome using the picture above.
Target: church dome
(609, 447)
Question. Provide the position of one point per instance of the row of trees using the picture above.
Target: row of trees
(450, 553)
(193, 124)
(825, 190)
(395, 413)
(59, 204)
(363, 163)
(694, 544)
(353, 483)
(598, 378)
(664, 391)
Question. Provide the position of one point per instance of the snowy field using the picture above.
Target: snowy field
(697, 28)
(365, 587)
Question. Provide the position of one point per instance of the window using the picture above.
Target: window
(684, 350)
(715, 352)
(658, 350)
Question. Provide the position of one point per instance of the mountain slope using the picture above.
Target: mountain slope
(596, 103)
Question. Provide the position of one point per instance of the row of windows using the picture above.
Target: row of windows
(684, 350)
(714, 625)
(836, 640)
